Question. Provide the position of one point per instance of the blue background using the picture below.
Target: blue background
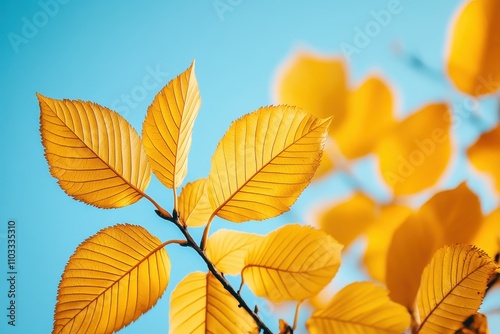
(104, 50)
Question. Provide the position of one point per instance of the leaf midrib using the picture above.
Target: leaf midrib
(128, 272)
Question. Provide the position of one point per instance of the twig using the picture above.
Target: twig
(191, 243)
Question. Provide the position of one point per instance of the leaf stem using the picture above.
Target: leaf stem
(296, 318)
(159, 210)
(183, 243)
(201, 252)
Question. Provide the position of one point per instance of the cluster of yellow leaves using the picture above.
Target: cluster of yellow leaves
(259, 168)
(292, 263)
(412, 153)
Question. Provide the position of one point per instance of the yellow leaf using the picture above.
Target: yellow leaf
(453, 287)
(227, 249)
(317, 84)
(451, 216)
(264, 161)
(292, 263)
(194, 207)
(488, 237)
(474, 50)
(168, 127)
(415, 153)
(484, 154)
(111, 280)
(347, 220)
(95, 154)
(360, 307)
(369, 116)
(200, 304)
(379, 236)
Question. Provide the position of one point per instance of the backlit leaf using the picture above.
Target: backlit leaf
(347, 220)
(453, 287)
(484, 154)
(264, 161)
(451, 216)
(413, 156)
(227, 249)
(168, 126)
(194, 207)
(317, 84)
(360, 307)
(379, 236)
(200, 304)
(292, 263)
(369, 116)
(474, 50)
(111, 280)
(96, 155)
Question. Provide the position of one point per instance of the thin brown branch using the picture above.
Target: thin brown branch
(191, 243)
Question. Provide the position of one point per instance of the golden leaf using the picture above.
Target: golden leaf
(111, 280)
(360, 307)
(200, 304)
(474, 49)
(453, 287)
(415, 153)
(317, 84)
(227, 249)
(292, 263)
(168, 127)
(96, 155)
(347, 220)
(369, 116)
(194, 207)
(379, 236)
(488, 237)
(484, 154)
(451, 216)
(264, 161)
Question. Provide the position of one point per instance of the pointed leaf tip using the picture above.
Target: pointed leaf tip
(168, 126)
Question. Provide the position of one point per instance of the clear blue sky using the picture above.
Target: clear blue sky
(104, 50)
